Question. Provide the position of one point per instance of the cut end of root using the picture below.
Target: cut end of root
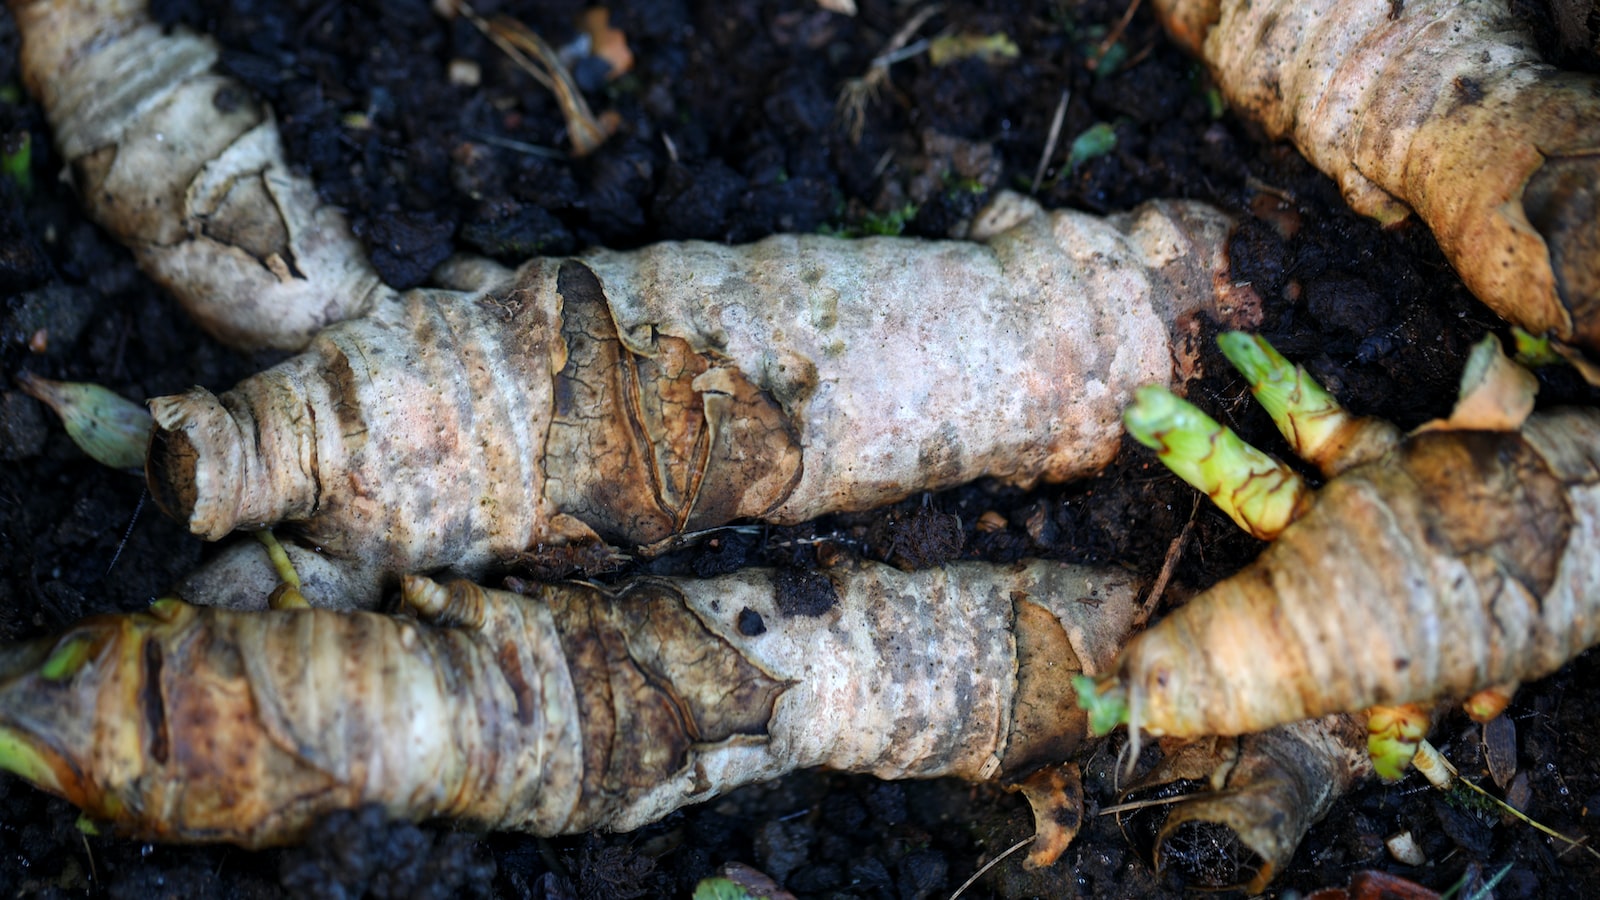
(194, 451)
(169, 472)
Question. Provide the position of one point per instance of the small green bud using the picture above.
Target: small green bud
(113, 430)
(1106, 705)
(720, 888)
(67, 660)
(1534, 352)
(16, 159)
(1096, 140)
(1393, 735)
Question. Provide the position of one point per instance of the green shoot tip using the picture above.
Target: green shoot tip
(1259, 493)
(1304, 412)
(1534, 352)
(1107, 704)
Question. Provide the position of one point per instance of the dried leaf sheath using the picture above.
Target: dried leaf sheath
(1441, 107)
(1463, 559)
(1253, 800)
(571, 711)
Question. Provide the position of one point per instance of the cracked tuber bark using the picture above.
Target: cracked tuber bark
(186, 167)
(633, 396)
(624, 396)
(566, 711)
(1463, 557)
(1441, 107)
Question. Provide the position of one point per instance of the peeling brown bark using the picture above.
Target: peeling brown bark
(569, 710)
(1460, 561)
(1441, 107)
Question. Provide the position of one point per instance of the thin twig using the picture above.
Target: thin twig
(536, 57)
(1050, 142)
(1174, 553)
(94, 873)
(128, 532)
(520, 146)
(989, 865)
(1132, 805)
(858, 93)
(1442, 775)
(1113, 36)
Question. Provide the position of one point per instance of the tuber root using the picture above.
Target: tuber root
(1441, 107)
(572, 709)
(186, 167)
(634, 396)
(629, 396)
(1462, 558)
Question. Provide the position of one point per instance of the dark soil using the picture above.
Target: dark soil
(729, 132)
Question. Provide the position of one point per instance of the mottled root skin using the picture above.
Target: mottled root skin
(1267, 791)
(632, 396)
(1441, 107)
(1463, 559)
(571, 710)
(619, 396)
(186, 167)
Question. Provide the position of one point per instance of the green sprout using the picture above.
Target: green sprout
(1107, 705)
(1305, 413)
(287, 595)
(1317, 428)
(20, 757)
(1259, 493)
(68, 659)
(720, 887)
(890, 223)
(1535, 352)
(1393, 735)
(875, 224)
(1096, 140)
(16, 160)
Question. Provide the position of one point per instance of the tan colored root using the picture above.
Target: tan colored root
(186, 167)
(1460, 561)
(568, 711)
(1438, 106)
(624, 396)
(636, 395)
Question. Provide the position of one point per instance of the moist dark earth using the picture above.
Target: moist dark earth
(728, 129)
